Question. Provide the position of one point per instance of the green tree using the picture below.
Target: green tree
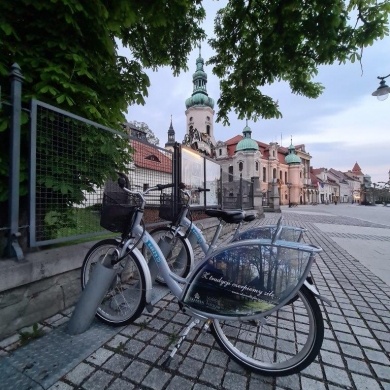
(150, 136)
(259, 42)
(68, 53)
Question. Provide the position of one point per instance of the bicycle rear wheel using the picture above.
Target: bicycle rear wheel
(125, 299)
(285, 343)
(175, 249)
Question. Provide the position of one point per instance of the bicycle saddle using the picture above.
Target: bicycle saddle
(229, 216)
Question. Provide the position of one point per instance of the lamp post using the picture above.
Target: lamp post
(383, 90)
(289, 185)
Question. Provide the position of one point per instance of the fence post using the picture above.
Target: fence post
(13, 248)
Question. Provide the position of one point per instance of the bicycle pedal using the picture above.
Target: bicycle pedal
(149, 307)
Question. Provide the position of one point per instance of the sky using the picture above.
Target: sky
(343, 126)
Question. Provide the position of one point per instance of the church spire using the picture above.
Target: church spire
(171, 136)
(199, 79)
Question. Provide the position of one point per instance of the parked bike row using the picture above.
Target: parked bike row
(255, 293)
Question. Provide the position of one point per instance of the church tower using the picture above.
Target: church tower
(171, 138)
(200, 113)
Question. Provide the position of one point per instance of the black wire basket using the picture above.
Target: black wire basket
(118, 210)
(169, 210)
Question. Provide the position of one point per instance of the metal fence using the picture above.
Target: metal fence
(71, 161)
(68, 173)
(236, 193)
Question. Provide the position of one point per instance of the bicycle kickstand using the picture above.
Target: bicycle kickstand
(178, 344)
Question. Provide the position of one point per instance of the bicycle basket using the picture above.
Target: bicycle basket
(288, 233)
(169, 210)
(118, 209)
(249, 278)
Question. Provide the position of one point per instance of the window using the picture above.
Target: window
(285, 177)
(281, 176)
(240, 166)
(152, 157)
(231, 173)
(191, 119)
(208, 129)
(274, 173)
(273, 153)
(208, 118)
(257, 166)
(220, 152)
(264, 174)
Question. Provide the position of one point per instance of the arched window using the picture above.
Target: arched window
(274, 173)
(240, 166)
(285, 177)
(231, 173)
(220, 152)
(281, 176)
(208, 129)
(264, 175)
(257, 166)
(191, 119)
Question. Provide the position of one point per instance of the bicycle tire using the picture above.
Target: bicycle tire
(291, 340)
(125, 300)
(179, 256)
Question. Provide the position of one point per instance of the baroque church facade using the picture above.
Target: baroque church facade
(269, 166)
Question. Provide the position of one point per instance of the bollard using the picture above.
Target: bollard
(98, 284)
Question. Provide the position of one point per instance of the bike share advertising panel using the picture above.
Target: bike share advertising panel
(200, 172)
(248, 278)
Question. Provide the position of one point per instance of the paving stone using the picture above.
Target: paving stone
(382, 371)
(233, 381)
(359, 366)
(156, 379)
(134, 347)
(351, 350)
(117, 363)
(337, 376)
(117, 341)
(98, 381)
(61, 386)
(100, 356)
(120, 384)
(212, 375)
(199, 352)
(291, 382)
(365, 382)
(218, 358)
(312, 384)
(331, 359)
(368, 342)
(179, 383)
(313, 369)
(151, 353)
(377, 356)
(191, 367)
(79, 373)
(136, 372)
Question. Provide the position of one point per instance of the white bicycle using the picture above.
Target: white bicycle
(242, 291)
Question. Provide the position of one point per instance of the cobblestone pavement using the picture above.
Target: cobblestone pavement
(355, 353)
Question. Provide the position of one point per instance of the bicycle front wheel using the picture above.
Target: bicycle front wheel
(125, 299)
(175, 249)
(283, 343)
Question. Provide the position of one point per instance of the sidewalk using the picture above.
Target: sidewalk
(355, 353)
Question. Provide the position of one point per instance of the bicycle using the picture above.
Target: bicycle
(244, 303)
(178, 239)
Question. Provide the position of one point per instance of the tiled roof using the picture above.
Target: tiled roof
(148, 157)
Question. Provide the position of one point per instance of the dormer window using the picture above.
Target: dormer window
(152, 157)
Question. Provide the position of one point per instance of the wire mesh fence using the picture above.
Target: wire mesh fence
(72, 161)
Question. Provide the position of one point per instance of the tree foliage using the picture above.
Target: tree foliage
(69, 56)
(259, 42)
(150, 136)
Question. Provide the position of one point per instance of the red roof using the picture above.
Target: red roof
(149, 157)
(356, 169)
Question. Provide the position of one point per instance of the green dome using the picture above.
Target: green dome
(199, 79)
(292, 158)
(247, 143)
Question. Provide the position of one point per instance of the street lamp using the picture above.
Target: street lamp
(383, 90)
(289, 185)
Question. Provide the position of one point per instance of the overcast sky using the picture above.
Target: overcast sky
(343, 126)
